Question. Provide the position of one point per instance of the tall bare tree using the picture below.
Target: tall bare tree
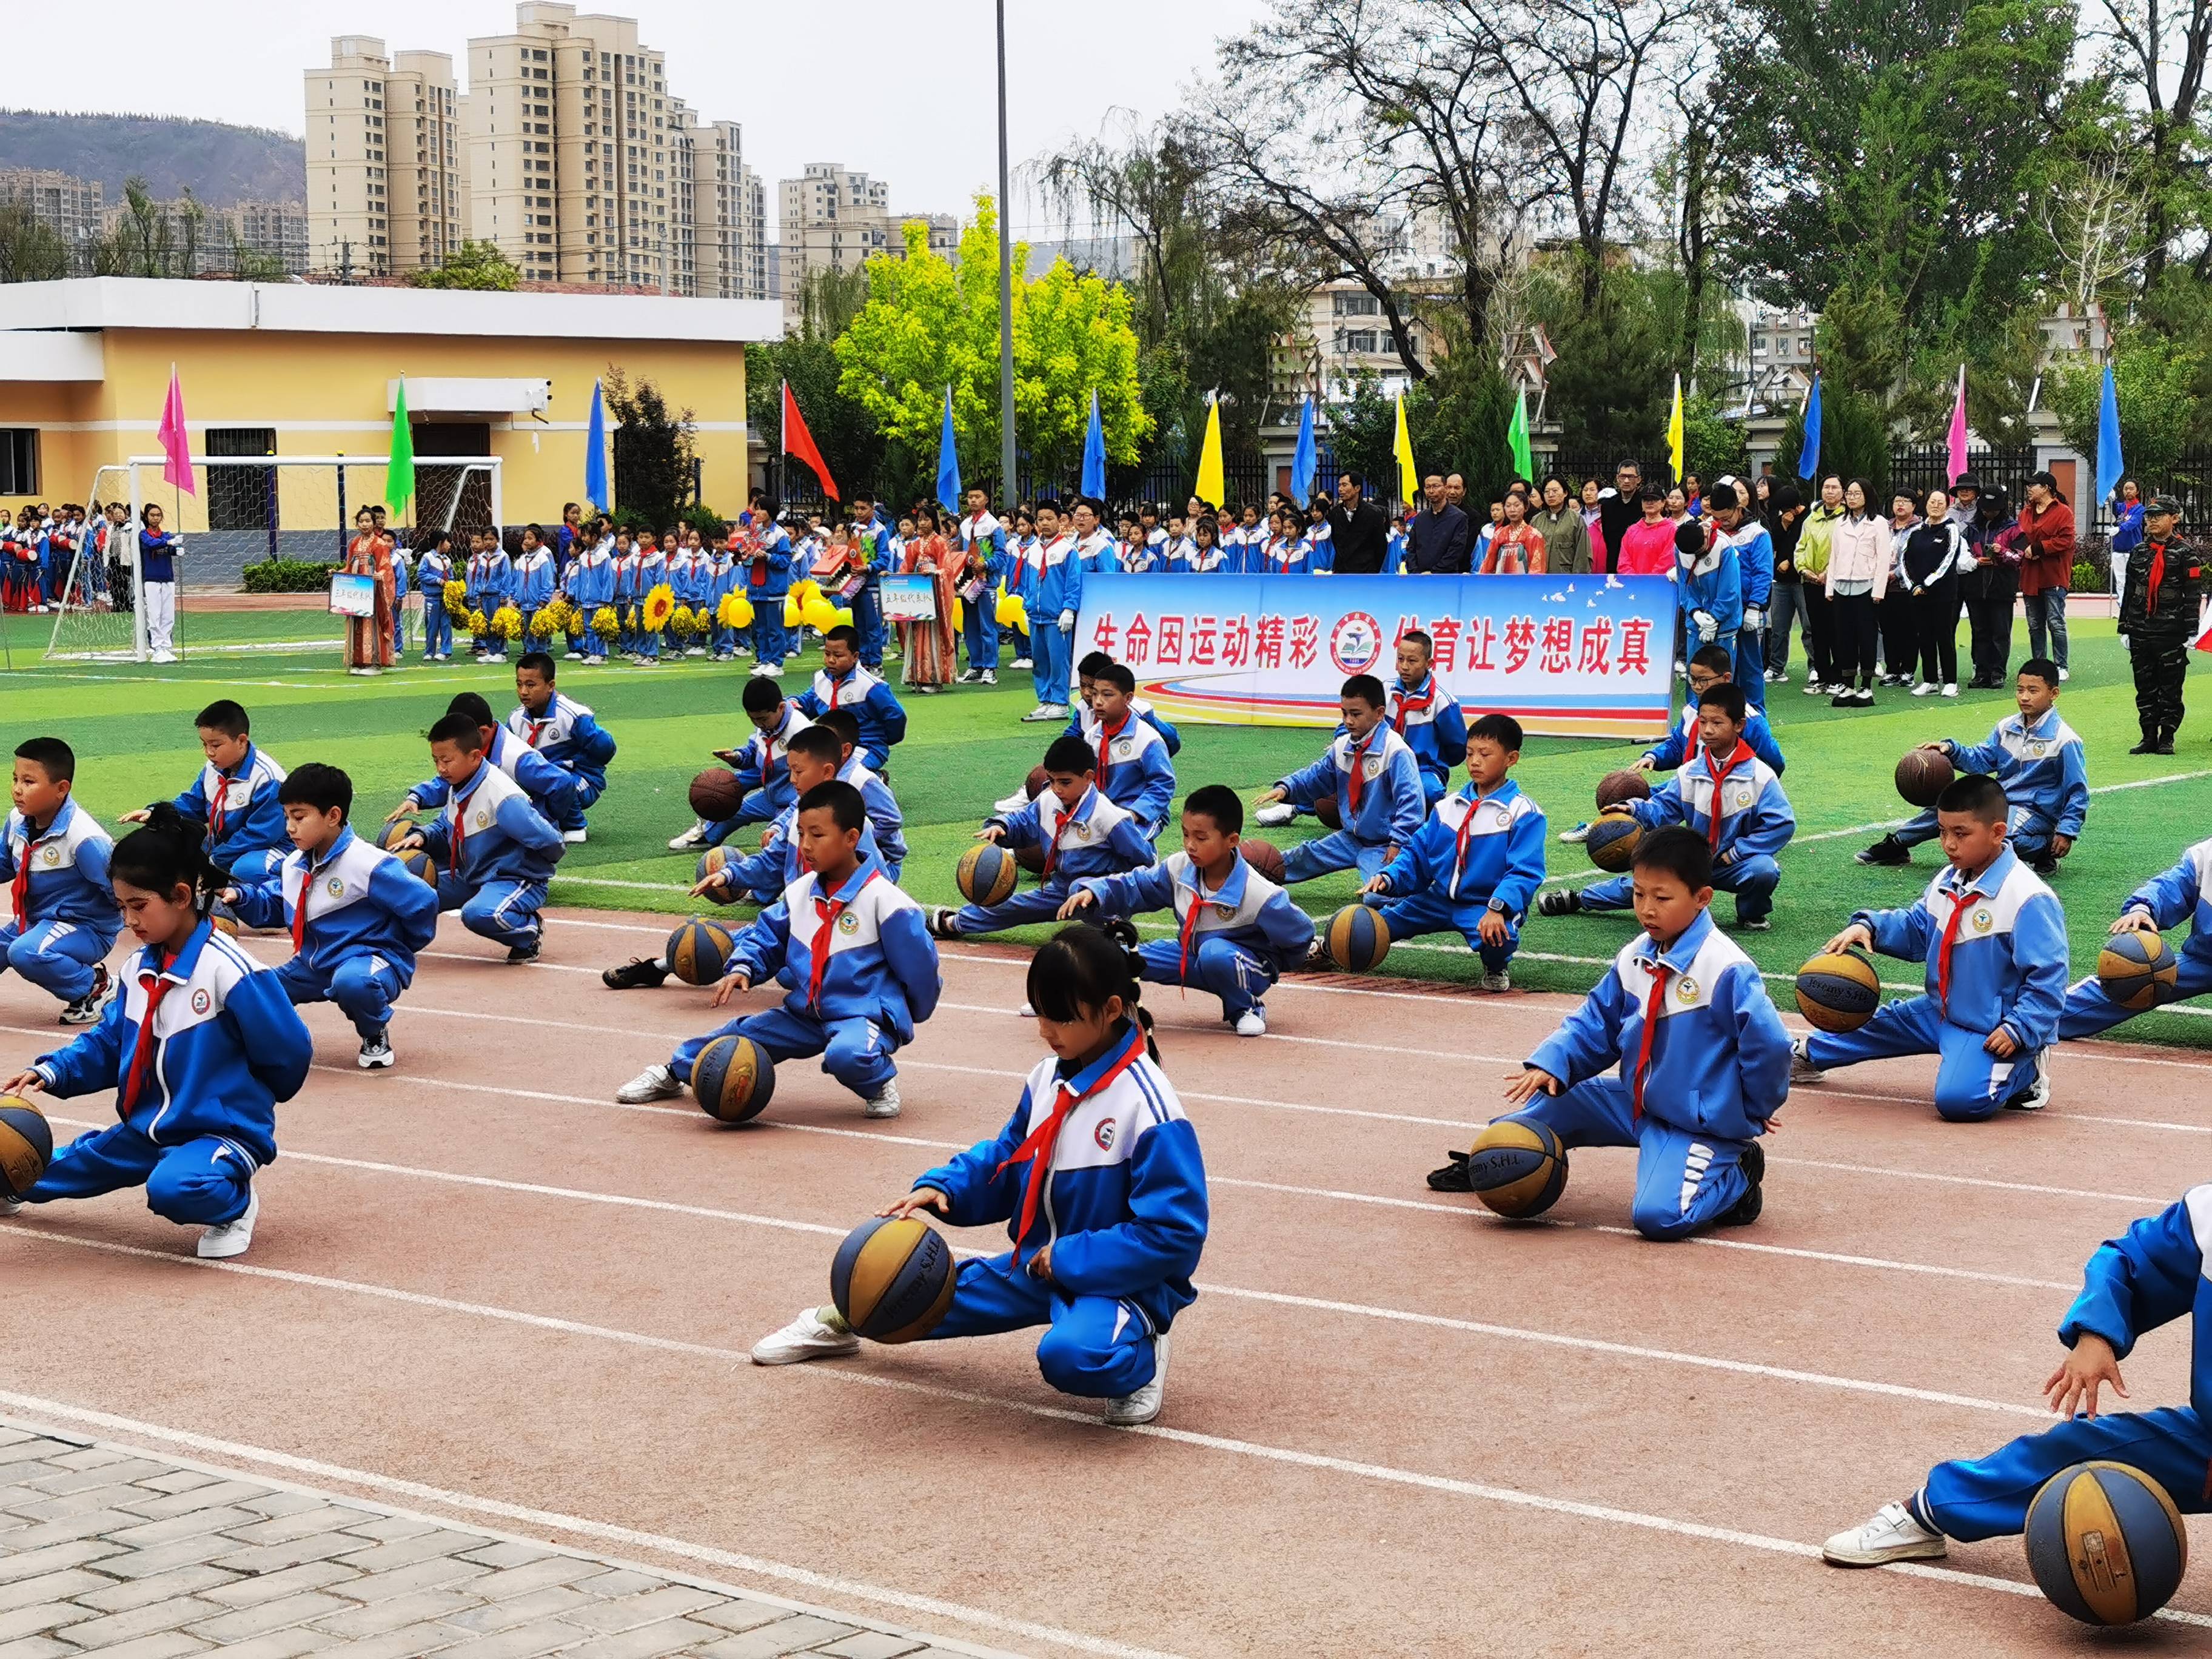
(2157, 52)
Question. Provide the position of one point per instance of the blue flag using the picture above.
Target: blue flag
(1305, 462)
(1809, 458)
(948, 462)
(2109, 466)
(595, 451)
(1094, 455)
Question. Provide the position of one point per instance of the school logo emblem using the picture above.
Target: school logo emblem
(1982, 920)
(1685, 991)
(2036, 748)
(53, 856)
(1123, 747)
(1356, 642)
(1079, 831)
(202, 1002)
(849, 924)
(1103, 1135)
(484, 818)
(335, 886)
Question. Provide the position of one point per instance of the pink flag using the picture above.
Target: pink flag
(1959, 428)
(176, 449)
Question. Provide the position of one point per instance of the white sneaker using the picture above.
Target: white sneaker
(2064, 675)
(653, 1083)
(1253, 1022)
(231, 1237)
(1801, 1068)
(1892, 1536)
(1950, 690)
(376, 1054)
(1815, 689)
(1921, 687)
(2038, 1095)
(805, 1338)
(1501, 981)
(1023, 662)
(885, 1102)
(1575, 837)
(1027, 1011)
(1045, 711)
(989, 677)
(694, 837)
(766, 670)
(1274, 817)
(1014, 803)
(1132, 1409)
(574, 837)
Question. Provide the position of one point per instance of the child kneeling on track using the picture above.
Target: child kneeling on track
(234, 796)
(54, 857)
(200, 1044)
(1235, 931)
(498, 850)
(1478, 861)
(2183, 892)
(1081, 832)
(851, 949)
(762, 773)
(563, 731)
(1699, 1060)
(1371, 774)
(1098, 1177)
(2151, 1275)
(884, 820)
(1994, 939)
(356, 913)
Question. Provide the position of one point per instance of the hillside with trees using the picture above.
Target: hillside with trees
(220, 164)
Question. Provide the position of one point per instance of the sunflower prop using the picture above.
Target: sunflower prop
(660, 606)
(603, 621)
(456, 595)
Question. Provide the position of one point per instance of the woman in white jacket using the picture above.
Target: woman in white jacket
(1860, 558)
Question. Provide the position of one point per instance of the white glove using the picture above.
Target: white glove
(1753, 618)
(1067, 621)
(1707, 624)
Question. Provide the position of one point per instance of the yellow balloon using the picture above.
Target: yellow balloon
(805, 592)
(844, 616)
(818, 615)
(959, 615)
(790, 612)
(1012, 613)
(741, 610)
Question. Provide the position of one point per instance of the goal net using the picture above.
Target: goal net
(244, 511)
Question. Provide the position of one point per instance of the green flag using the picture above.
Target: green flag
(399, 471)
(1516, 439)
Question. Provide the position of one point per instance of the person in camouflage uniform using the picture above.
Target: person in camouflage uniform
(2159, 605)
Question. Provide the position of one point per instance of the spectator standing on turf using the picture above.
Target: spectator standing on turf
(2046, 568)
(1991, 587)
(1859, 560)
(1928, 566)
(157, 582)
(2159, 604)
(1784, 518)
(1438, 539)
(1359, 528)
(1620, 508)
(1517, 547)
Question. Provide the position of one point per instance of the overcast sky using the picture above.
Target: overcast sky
(868, 82)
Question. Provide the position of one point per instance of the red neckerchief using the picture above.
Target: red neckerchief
(1106, 742)
(142, 1054)
(836, 686)
(1959, 893)
(1037, 1149)
(1198, 901)
(1052, 847)
(1459, 843)
(1742, 754)
(1659, 971)
(23, 884)
(2157, 576)
(537, 726)
(218, 812)
(1359, 770)
(308, 871)
(460, 827)
(826, 912)
(1407, 703)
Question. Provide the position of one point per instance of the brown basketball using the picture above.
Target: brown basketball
(1039, 780)
(1923, 774)
(1031, 859)
(1264, 856)
(715, 794)
(1327, 811)
(1616, 787)
(397, 832)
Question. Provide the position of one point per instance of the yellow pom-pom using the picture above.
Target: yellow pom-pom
(542, 624)
(478, 624)
(790, 616)
(844, 616)
(603, 620)
(1012, 613)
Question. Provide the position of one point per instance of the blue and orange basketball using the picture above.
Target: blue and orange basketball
(2105, 1543)
(2137, 970)
(1517, 1168)
(1839, 991)
(892, 1280)
(397, 832)
(1613, 840)
(732, 1080)
(987, 873)
(26, 1145)
(711, 863)
(699, 951)
(1356, 939)
(421, 866)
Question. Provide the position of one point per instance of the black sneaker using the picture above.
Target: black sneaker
(2165, 745)
(518, 955)
(85, 1010)
(1746, 1209)
(1452, 1177)
(940, 917)
(1562, 901)
(971, 677)
(2148, 746)
(637, 974)
(376, 1052)
(1847, 698)
(2044, 865)
(1888, 852)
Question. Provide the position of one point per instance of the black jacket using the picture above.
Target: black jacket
(2180, 589)
(1615, 514)
(1436, 542)
(1361, 536)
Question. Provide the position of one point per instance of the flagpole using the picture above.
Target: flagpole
(1005, 289)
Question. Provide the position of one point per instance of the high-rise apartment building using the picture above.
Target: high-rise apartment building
(832, 219)
(384, 181)
(730, 215)
(68, 206)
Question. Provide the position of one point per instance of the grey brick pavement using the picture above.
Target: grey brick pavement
(111, 1552)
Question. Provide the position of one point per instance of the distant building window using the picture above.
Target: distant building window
(19, 460)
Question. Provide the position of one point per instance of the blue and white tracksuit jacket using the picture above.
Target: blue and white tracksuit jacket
(1097, 839)
(762, 876)
(507, 852)
(1246, 933)
(367, 917)
(227, 1048)
(880, 979)
(1059, 592)
(2007, 971)
(885, 821)
(533, 585)
(1755, 552)
(1473, 849)
(767, 584)
(984, 539)
(551, 789)
(1124, 1209)
(2181, 894)
(1434, 728)
(1681, 742)
(2045, 776)
(1719, 1070)
(869, 701)
(1712, 587)
(873, 538)
(1756, 824)
(494, 588)
(433, 570)
(1099, 552)
(764, 770)
(592, 587)
(1138, 774)
(1392, 805)
(69, 918)
(569, 735)
(245, 821)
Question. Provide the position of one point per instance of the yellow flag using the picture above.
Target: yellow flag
(1674, 432)
(1409, 475)
(1212, 485)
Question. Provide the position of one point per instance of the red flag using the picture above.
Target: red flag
(176, 449)
(798, 440)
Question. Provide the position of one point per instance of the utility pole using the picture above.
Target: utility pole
(1005, 289)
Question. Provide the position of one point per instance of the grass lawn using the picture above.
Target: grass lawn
(132, 727)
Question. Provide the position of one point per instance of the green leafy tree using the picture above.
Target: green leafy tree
(472, 265)
(654, 453)
(1854, 442)
(1611, 386)
(1712, 443)
(2161, 383)
(29, 252)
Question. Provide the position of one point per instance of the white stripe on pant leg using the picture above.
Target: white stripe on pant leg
(1694, 1172)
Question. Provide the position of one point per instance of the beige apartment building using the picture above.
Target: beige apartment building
(384, 163)
(832, 218)
(68, 206)
(729, 215)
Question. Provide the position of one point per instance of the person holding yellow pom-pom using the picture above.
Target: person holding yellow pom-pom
(768, 585)
(441, 597)
(491, 584)
(590, 595)
(533, 591)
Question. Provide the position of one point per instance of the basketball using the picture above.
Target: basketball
(1838, 992)
(733, 1080)
(1612, 841)
(892, 1280)
(1031, 859)
(2105, 1543)
(1626, 785)
(26, 1145)
(1517, 1168)
(1923, 774)
(419, 864)
(227, 925)
(711, 862)
(1328, 812)
(987, 873)
(1039, 780)
(716, 795)
(397, 832)
(2137, 970)
(1265, 858)
(699, 951)
(1356, 939)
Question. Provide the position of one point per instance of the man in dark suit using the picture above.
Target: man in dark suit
(1361, 529)
(1437, 538)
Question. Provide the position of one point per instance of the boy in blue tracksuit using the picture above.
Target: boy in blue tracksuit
(1728, 796)
(62, 918)
(885, 821)
(498, 850)
(851, 949)
(2183, 893)
(1994, 939)
(551, 789)
(590, 587)
(815, 756)
(432, 571)
(1426, 717)
(1370, 772)
(1079, 831)
(1744, 535)
(563, 731)
(1235, 931)
(534, 579)
(844, 682)
(1134, 770)
(1678, 1053)
(764, 772)
(494, 589)
(1081, 711)
(356, 914)
(1475, 864)
(1052, 613)
(871, 538)
(984, 540)
(2039, 759)
(767, 584)
(1711, 666)
(1710, 582)
(722, 586)
(234, 795)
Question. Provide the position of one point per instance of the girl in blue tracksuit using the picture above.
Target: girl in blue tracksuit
(200, 1044)
(495, 588)
(533, 581)
(721, 583)
(767, 584)
(652, 573)
(1099, 1179)
(627, 565)
(432, 571)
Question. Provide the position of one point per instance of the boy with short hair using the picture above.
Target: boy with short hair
(2040, 760)
(1994, 940)
(1080, 713)
(1134, 768)
(1678, 1053)
(1371, 774)
(851, 949)
(2160, 597)
(1052, 615)
(356, 915)
(884, 818)
(432, 571)
(767, 585)
(63, 918)
(843, 683)
(2183, 893)
(983, 538)
(565, 732)
(1235, 931)
(1728, 795)
(763, 773)
(551, 789)
(498, 850)
(234, 795)
(1475, 864)
(1429, 720)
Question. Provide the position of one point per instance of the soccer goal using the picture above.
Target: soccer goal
(247, 509)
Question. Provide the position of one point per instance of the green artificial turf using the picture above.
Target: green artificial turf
(131, 727)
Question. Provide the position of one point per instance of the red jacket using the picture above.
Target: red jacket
(2047, 559)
